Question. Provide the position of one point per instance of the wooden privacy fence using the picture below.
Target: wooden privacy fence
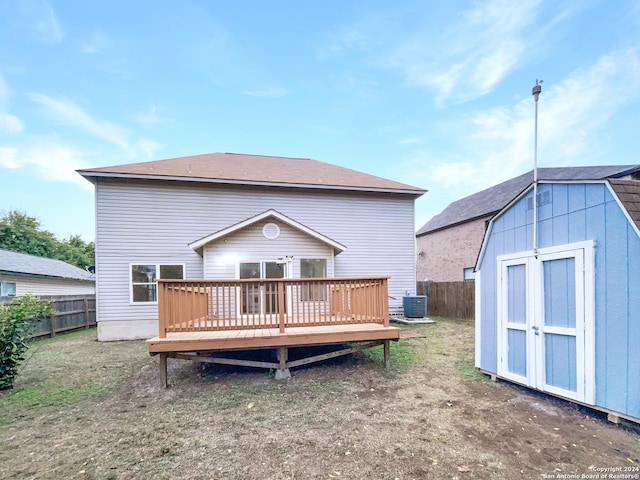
(212, 305)
(449, 299)
(72, 313)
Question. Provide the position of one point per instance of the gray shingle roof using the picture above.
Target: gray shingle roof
(490, 201)
(23, 264)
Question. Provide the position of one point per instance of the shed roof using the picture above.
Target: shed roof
(23, 264)
(628, 191)
(244, 169)
(490, 201)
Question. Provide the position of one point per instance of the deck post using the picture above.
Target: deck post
(384, 294)
(281, 305)
(387, 354)
(162, 311)
(283, 372)
(163, 370)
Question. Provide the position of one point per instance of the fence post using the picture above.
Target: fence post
(86, 312)
(52, 323)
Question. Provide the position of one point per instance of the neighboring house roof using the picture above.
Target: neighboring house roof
(198, 244)
(628, 191)
(234, 168)
(15, 263)
(490, 201)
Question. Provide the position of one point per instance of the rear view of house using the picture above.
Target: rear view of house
(232, 216)
(557, 300)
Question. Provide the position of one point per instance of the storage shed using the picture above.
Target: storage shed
(562, 314)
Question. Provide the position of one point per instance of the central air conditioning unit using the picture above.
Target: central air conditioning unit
(415, 306)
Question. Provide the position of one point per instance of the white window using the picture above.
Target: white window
(7, 289)
(469, 274)
(313, 268)
(144, 285)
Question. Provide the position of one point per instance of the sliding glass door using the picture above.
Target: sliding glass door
(261, 298)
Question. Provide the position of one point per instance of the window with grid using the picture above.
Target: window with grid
(313, 268)
(144, 280)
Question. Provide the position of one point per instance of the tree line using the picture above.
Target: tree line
(22, 233)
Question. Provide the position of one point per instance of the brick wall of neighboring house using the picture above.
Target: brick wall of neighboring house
(444, 254)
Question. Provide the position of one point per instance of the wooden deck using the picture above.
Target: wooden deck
(200, 319)
(270, 337)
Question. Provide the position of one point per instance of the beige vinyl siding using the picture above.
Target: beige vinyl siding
(249, 245)
(49, 286)
(140, 222)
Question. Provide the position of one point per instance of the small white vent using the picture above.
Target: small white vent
(271, 231)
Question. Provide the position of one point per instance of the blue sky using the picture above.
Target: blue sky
(434, 94)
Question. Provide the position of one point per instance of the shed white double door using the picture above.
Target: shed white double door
(545, 320)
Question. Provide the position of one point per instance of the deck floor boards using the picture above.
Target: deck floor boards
(270, 337)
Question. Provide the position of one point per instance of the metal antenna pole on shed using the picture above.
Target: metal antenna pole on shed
(537, 88)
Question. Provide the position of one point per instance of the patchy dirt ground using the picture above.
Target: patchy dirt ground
(86, 410)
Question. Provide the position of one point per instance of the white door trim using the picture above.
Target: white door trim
(504, 325)
(584, 255)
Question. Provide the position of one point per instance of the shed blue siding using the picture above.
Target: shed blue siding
(633, 337)
(579, 212)
(611, 335)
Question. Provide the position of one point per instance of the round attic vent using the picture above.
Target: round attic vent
(271, 231)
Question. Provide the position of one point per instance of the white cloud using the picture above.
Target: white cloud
(9, 157)
(272, 92)
(48, 25)
(473, 55)
(9, 124)
(56, 160)
(580, 107)
(149, 118)
(355, 37)
(147, 147)
(459, 56)
(69, 113)
(575, 118)
(39, 17)
(50, 160)
(98, 43)
(5, 93)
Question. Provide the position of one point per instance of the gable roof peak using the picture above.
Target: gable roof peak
(198, 245)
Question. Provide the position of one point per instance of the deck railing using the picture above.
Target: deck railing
(210, 305)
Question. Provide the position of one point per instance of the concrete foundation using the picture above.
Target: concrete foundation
(282, 374)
